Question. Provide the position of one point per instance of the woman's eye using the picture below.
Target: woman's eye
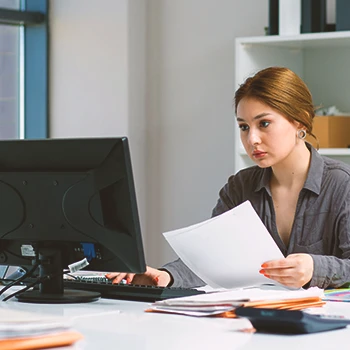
(264, 124)
(243, 127)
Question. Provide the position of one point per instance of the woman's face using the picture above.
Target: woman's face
(267, 136)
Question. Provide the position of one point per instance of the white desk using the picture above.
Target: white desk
(115, 324)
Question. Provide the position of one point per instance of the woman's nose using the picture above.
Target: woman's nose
(254, 137)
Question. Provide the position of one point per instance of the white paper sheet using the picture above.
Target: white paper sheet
(226, 251)
(236, 296)
(15, 323)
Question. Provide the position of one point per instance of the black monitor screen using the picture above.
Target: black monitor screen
(65, 199)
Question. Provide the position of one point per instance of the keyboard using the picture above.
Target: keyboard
(95, 278)
(130, 291)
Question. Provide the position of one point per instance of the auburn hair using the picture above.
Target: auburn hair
(281, 89)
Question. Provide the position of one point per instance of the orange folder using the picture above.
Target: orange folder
(286, 304)
(290, 304)
(41, 342)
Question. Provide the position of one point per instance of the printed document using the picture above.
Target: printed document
(219, 303)
(227, 251)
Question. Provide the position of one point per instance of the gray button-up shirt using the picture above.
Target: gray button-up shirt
(321, 225)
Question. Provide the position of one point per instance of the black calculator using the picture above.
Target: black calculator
(290, 321)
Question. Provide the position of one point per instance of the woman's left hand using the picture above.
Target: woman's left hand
(294, 271)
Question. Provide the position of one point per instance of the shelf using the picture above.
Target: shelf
(335, 151)
(320, 59)
(311, 40)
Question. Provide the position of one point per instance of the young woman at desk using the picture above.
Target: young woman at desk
(302, 198)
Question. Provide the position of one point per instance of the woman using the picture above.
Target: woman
(302, 198)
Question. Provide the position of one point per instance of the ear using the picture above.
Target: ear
(299, 125)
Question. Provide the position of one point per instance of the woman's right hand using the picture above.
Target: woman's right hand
(152, 277)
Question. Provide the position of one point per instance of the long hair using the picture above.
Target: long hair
(281, 89)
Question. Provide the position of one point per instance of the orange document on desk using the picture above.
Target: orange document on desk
(26, 330)
(223, 303)
(41, 342)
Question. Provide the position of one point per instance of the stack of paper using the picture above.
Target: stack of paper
(23, 330)
(224, 303)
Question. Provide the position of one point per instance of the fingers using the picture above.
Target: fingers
(149, 278)
(288, 282)
(152, 277)
(117, 277)
(294, 271)
(160, 278)
(278, 264)
(291, 261)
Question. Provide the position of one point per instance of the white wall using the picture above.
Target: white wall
(97, 75)
(190, 118)
(88, 67)
(161, 72)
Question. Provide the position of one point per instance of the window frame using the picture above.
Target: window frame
(32, 18)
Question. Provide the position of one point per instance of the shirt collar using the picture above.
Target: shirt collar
(314, 176)
(264, 181)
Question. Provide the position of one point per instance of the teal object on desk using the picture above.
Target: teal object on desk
(341, 294)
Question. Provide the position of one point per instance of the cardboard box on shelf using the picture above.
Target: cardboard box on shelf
(332, 131)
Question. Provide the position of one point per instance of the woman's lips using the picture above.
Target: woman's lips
(259, 154)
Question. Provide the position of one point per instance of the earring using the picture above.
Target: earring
(301, 134)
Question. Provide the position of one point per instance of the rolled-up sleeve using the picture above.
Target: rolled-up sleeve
(182, 275)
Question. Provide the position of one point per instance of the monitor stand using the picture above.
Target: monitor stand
(51, 290)
(68, 296)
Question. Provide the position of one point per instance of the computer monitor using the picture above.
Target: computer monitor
(62, 200)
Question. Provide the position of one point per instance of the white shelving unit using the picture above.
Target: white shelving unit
(322, 60)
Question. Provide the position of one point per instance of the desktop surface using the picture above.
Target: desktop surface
(107, 324)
